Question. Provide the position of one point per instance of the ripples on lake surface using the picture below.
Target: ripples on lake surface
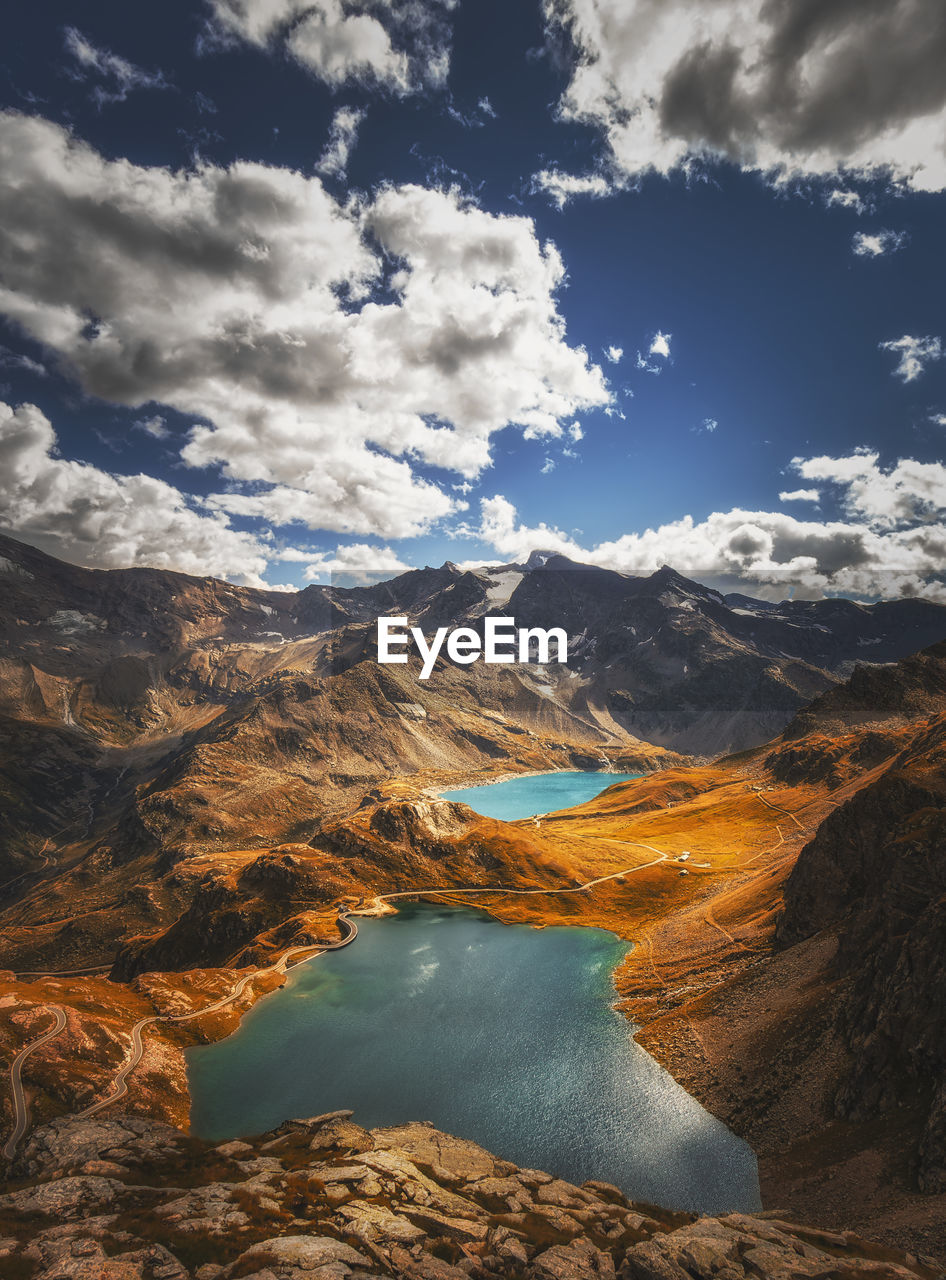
(500, 1033)
(532, 794)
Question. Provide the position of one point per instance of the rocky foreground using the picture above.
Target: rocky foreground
(125, 1198)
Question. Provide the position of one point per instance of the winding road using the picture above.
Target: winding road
(120, 1083)
(21, 1112)
(449, 891)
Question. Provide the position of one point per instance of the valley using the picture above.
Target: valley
(194, 786)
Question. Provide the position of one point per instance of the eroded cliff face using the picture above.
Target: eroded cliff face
(875, 875)
(123, 1198)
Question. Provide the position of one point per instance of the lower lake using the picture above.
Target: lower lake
(500, 1033)
(531, 793)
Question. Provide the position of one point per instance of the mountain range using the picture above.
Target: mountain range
(177, 713)
(194, 775)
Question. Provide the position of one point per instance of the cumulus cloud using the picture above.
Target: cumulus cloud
(800, 495)
(909, 492)
(915, 354)
(343, 134)
(795, 88)
(660, 345)
(116, 76)
(398, 45)
(876, 244)
(393, 505)
(576, 432)
(561, 187)
(499, 526)
(358, 561)
(896, 524)
(322, 349)
(614, 354)
(660, 348)
(89, 516)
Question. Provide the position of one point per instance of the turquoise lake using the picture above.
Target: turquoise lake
(532, 794)
(499, 1033)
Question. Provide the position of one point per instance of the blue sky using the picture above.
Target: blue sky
(410, 353)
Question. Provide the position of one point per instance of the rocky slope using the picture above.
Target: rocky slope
(148, 718)
(813, 1024)
(323, 1199)
(874, 877)
(144, 710)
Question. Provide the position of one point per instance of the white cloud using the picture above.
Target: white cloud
(915, 354)
(387, 501)
(576, 432)
(876, 244)
(800, 495)
(906, 493)
(359, 561)
(938, 419)
(614, 354)
(660, 346)
(343, 134)
(707, 426)
(401, 47)
(155, 426)
(548, 466)
(777, 88)
(896, 525)
(486, 108)
(562, 187)
(89, 516)
(845, 200)
(118, 76)
(245, 299)
(499, 528)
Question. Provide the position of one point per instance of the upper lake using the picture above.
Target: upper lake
(500, 1033)
(532, 794)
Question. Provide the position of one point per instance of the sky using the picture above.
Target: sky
(290, 290)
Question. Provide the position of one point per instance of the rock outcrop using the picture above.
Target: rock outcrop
(875, 876)
(121, 1198)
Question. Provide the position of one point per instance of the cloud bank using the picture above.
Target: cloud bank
(330, 353)
(792, 88)
(107, 521)
(895, 523)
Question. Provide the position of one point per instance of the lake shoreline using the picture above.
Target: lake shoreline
(381, 970)
(574, 795)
